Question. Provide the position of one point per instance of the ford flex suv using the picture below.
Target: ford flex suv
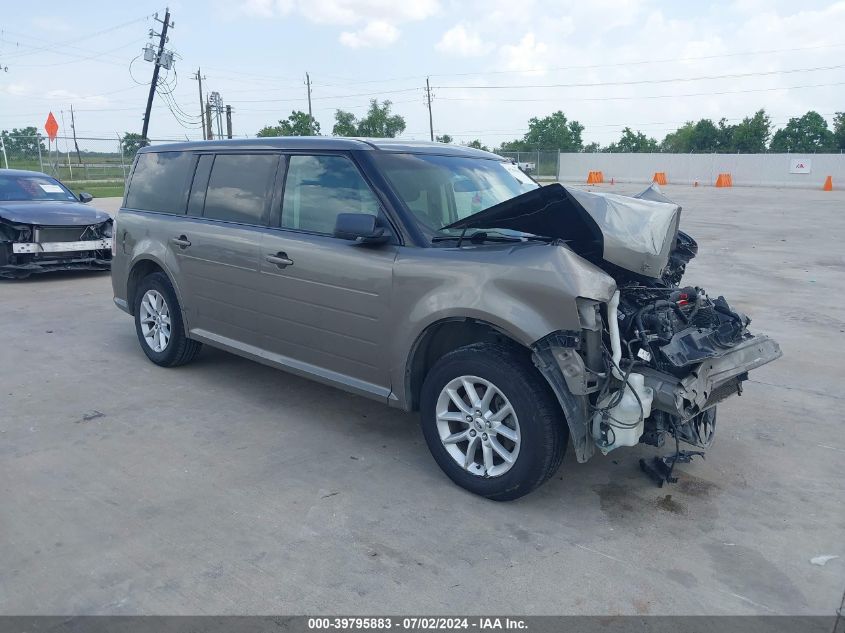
(517, 319)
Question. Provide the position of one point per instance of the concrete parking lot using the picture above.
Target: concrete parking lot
(227, 487)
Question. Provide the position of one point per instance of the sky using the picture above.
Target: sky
(492, 64)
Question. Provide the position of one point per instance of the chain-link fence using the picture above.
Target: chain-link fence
(97, 164)
(540, 164)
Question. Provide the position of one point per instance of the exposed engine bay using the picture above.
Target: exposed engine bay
(32, 248)
(654, 361)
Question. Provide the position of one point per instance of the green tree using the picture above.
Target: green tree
(679, 141)
(132, 142)
(297, 124)
(477, 145)
(591, 148)
(751, 136)
(551, 132)
(703, 136)
(379, 122)
(444, 139)
(554, 132)
(23, 143)
(633, 142)
(839, 131)
(808, 133)
(344, 124)
(513, 146)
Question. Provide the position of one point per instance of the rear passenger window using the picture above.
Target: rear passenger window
(240, 187)
(159, 182)
(196, 201)
(318, 188)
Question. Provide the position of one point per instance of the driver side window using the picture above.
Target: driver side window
(318, 188)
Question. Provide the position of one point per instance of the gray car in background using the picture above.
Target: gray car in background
(515, 318)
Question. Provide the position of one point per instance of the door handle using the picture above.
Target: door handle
(280, 259)
(181, 241)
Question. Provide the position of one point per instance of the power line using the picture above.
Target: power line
(256, 77)
(646, 81)
(93, 57)
(87, 36)
(360, 94)
(642, 61)
(667, 96)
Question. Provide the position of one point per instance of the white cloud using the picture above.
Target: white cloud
(377, 34)
(379, 17)
(459, 41)
(47, 23)
(528, 55)
(17, 90)
(344, 12)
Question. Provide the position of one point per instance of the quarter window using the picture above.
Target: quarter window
(318, 188)
(240, 187)
(159, 181)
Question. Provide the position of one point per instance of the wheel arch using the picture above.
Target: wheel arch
(143, 267)
(440, 338)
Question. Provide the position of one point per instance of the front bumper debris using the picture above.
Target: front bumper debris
(12, 271)
(20, 248)
(712, 381)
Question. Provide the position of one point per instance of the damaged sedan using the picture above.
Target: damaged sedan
(45, 227)
(515, 318)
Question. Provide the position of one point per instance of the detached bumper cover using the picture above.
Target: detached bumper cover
(713, 380)
(45, 265)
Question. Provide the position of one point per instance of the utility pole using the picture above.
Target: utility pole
(228, 121)
(199, 78)
(157, 63)
(209, 134)
(310, 117)
(217, 106)
(428, 102)
(73, 128)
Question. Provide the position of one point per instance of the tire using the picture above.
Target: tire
(537, 425)
(178, 348)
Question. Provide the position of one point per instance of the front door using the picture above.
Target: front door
(326, 301)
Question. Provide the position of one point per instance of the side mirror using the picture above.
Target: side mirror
(85, 197)
(360, 227)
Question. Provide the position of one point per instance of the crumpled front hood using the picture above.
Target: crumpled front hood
(51, 213)
(634, 233)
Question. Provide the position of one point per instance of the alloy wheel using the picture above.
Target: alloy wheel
(155, 320)
(478, 426)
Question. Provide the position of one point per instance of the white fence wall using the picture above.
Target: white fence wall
(752, 170)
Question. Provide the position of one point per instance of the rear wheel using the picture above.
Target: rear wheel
(491, 421)
(158, 323)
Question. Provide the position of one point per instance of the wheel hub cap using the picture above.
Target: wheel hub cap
(478, 426)
(155, 320)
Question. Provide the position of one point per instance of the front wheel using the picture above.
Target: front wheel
(491, 421)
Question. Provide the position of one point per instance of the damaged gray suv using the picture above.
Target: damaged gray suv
(515, 318)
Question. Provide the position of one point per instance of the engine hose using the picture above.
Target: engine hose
(662, 303)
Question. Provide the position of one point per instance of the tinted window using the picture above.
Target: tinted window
(159, 182)
(197, 197)
(318, 188)
(240, 187)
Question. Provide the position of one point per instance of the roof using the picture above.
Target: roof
(325, 143)
(22, 172)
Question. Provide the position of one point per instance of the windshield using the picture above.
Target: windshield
(26, 187)
(440, 190)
